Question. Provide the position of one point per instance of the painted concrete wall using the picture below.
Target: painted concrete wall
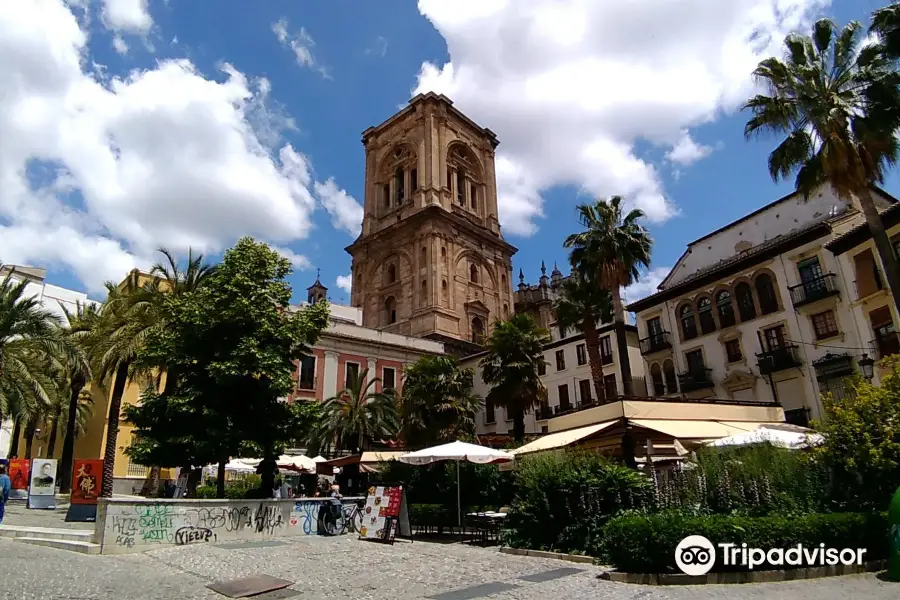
(127, 525)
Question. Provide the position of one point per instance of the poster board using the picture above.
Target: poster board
(87, 482)
(42, 486)
(385, 514)
(19, 471)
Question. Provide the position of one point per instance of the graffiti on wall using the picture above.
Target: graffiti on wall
(129, 525)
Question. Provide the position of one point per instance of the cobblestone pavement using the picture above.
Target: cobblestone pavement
(344, 568)
(19, 515)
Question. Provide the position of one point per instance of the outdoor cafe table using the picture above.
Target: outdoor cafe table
(484, 524)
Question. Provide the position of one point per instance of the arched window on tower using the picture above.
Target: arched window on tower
(725, 308)
(398, 185)
(671, 379)
(704, 312)
(391, 273)
(656, 378)
(688, 324)
(390, 310)
(744, 296)
(477, 330)
(473, 273)
(473, 195)
(461, 186)
(765, 291)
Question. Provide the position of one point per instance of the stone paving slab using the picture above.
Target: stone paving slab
(19, 515)
(344, 568)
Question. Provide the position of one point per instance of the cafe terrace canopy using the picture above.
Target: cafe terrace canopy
(456, 451)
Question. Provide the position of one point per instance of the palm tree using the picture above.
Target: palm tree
(30, 345)
(80, 325)
(581, 306)
(131, 311)
(609, 254)
(886, 25)
(837, 105)
(438, 402)
(358, 415)
(514, 359)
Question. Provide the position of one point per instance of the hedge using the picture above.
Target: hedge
(646, 543)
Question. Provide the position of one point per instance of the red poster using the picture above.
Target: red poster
(87, 481)
(19, 469)
(394, 495)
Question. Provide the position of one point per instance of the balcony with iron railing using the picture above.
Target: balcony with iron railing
(887, 345)
(778, 359)
(656, 342)
(543, 413)
(811, 290)
(695, 379)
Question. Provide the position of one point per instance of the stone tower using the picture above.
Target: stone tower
(430, 261)
(316, 292)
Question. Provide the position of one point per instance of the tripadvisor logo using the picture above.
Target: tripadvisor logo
(696, 555)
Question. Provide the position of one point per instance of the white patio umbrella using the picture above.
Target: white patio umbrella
(319, 459)
(456, 451)
(301, 462)
(777, 437)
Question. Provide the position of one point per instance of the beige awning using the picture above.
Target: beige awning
(561, 439)
(381, 456)
(689, 429)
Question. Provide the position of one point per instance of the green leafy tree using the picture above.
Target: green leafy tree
(358, 415)
(511, 367)
(233, 343)
(581, 306)
(438, 402)
(609, 253)
(836, 103)
(133, 311)
(862, 441)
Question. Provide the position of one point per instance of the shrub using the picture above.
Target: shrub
(237, 489)
(862, 441)
(754, 480)
(646, 543)
(432, 516)
(562, 501)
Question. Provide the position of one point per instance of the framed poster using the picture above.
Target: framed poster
(18, 473)
(42, 490)
(87, 481)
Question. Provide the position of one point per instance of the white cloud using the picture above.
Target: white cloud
(301, 44)
(686, 151)
(132, 16)
(119, 45)
(571, 85)
(344, 282)
(96, 171)
(379, 48)
(298, 261)
(346, 213)
(646, 285)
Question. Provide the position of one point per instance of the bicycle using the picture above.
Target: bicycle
(337, 521)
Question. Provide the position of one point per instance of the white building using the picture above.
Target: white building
(759, 310)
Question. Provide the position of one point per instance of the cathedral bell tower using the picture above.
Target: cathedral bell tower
(430, 261)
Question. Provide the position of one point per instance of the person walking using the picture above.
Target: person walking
(5, 487)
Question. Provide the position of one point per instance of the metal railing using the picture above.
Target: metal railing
(811, 290)
(886, 346)
(695, 379)
(778, 359)
(656, 342)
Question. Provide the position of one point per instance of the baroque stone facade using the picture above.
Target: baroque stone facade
(430, 260)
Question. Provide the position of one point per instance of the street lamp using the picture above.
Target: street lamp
(868, 367)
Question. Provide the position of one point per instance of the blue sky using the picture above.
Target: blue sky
(313, 75)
